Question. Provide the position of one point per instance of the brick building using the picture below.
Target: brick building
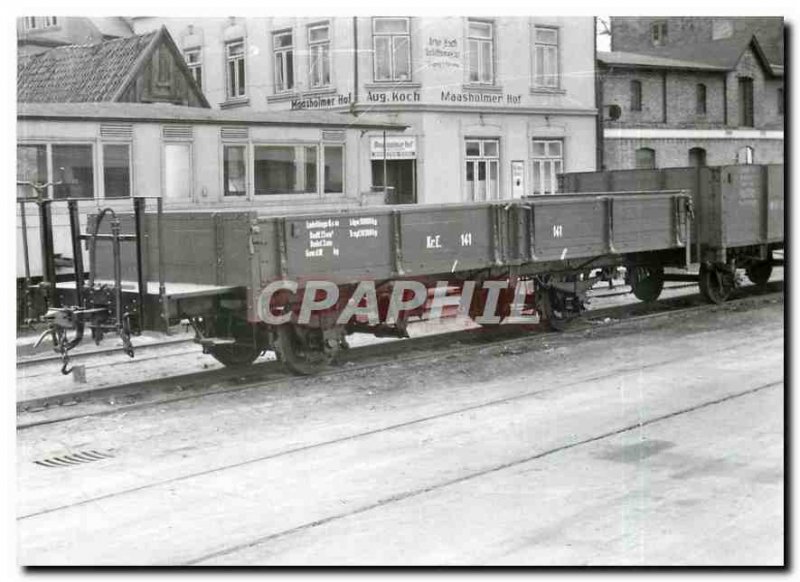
(713, 102)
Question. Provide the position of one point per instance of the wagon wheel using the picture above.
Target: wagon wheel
(235, 355)
(553, 310)
(716, 284)
(759, 273)
(297, 355)
(647, 282)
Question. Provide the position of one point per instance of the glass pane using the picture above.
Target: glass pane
(550, 66)
(546, 35)
(235, 49)
(486, 62)
(390, 25)
(315, 72)
(559, 169)
(473, 148)
(480, 186)
(537, 177)
(177, 172)
(241, 78)
(317, 34)
(480, 30)
(554, 149)
(470, 181)
(539, 66)
(231, 78)
(280, 79)
(473, 61)
(490, 149)
(274, 169)
(547, 178)
(334, 169)
(78, 171)
(402, 58)
(31, 167)
(235, 172)
(383, 58)
(289, 81)
(283, 39)
(116, 170)
(310, 169)
(493, 185)
(539, 149)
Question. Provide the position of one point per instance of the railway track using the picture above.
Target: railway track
(113, 399)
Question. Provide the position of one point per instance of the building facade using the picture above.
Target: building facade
(714, 103)
(496, 107)
(36, 34)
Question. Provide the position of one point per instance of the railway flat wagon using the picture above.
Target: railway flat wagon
(738, 222)
(242, 279)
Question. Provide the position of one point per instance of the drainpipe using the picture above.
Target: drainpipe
(355, 66)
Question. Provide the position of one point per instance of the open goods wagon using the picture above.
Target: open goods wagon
(738, 223)
(149, 270)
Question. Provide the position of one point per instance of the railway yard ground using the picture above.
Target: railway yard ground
(645, 439)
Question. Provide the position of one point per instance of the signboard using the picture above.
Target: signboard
(517, 179)
(397, 147)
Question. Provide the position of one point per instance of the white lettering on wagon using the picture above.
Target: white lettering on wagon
(558, 231)
(466, 239)
(433, 242)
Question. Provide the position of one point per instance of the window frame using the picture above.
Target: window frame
(247, 171)
(102, 152)
(172, 142)
(476, 159)
(481, 42)
(284, 68)
(39, 22)
(701, 99)
(557, 58)
(393, 37)
(659, 33)
(654, 166)
(237, 70)
(546, 160)
(312, 47)
(195, 66)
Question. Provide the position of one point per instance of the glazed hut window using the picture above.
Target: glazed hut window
(701, 99)
(333, 169)
(285, 169)
(636, 95)
(78, 175)
(391, 43)
(319, 47)
(117, 170)
(234, 171)
(235, 84)
(480, 45)
(284, 61)
(177, 171)
(31, 167)
(547, 163)
(545, 57)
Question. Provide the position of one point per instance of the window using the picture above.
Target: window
(31, 167)
(636, 95)
(697, 157)
(194, 59)
(234, 54)
(285, 169)
(545, 57)
(177, 171)
(780, 101)
(658, 33)
(117, 170)
(234, 170)
(480, 45)
(284, 61)
(39, 22)
(319, 48)
(78, 175)
(483, 160)
(701, 99)
(746, 102)
(547, 164)
(745, 155)
(391, 44)
(645, 159)
(333, 169)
